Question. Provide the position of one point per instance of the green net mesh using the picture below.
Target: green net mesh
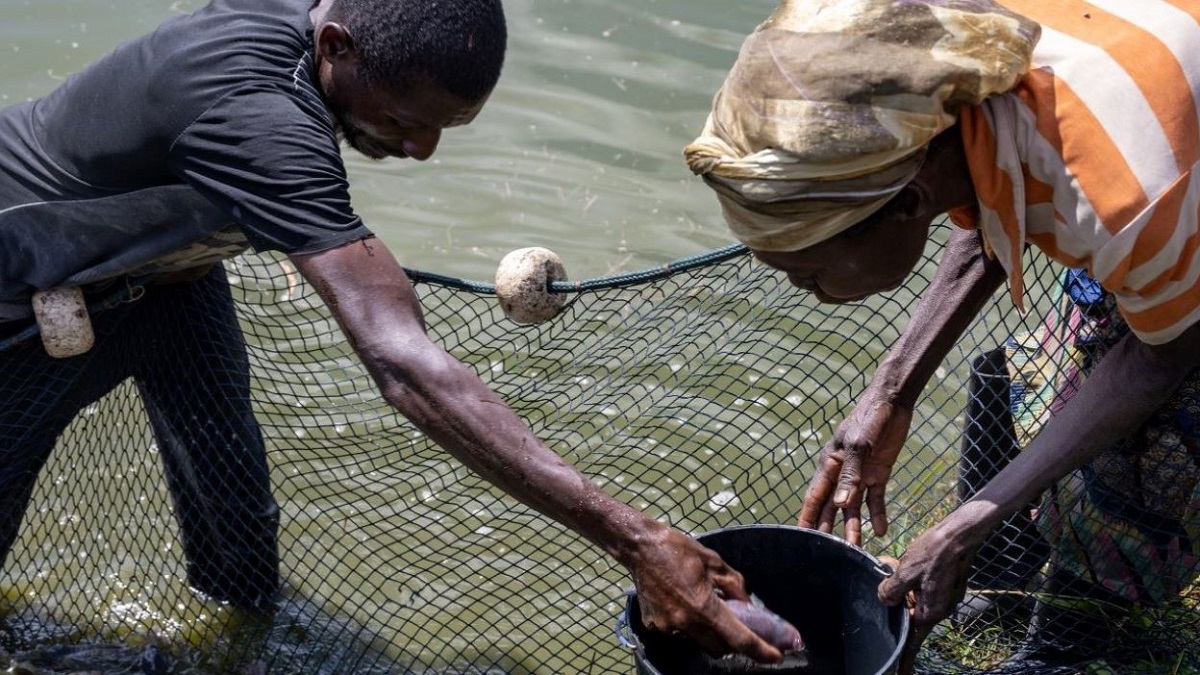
(700, 393)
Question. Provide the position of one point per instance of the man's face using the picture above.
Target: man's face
(380, 123)
(875, 256)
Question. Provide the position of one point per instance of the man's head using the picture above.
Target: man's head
(395, 73)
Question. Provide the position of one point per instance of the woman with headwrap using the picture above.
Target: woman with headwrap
(847, 126)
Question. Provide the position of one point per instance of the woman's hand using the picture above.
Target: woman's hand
(932, 574)
(856, 464)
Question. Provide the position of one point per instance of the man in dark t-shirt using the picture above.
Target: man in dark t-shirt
(209, 134)
(220, 131)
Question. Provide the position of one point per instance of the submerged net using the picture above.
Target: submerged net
(700, 393)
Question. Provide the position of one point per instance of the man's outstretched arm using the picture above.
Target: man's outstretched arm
(677, 578)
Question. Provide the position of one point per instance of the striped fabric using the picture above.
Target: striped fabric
(830, 105)
(1093, 157)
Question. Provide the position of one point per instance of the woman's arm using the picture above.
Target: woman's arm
(965, 280)
(857, 461)
(1128, 385)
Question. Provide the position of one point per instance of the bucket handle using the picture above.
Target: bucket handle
(915, 635)
(885, 568)
(624, 634)
(622, 629)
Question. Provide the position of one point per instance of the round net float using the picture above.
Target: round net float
(523, 284)
(63, 321)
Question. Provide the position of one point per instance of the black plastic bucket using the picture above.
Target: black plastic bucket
(822, 584)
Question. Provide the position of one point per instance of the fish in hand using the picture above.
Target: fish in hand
(767, 625)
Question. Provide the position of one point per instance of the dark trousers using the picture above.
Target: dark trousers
(183, 348)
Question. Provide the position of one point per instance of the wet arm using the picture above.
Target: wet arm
(374, 302)
(680, 583)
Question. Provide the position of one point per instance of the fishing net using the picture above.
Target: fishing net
(699, 392)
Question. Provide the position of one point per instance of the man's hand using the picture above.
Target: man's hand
(680, 582)
(681, 586)
(857, 463)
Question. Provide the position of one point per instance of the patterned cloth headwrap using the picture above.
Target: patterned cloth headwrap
(826, 114)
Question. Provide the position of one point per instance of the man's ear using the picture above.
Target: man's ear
(334, 42)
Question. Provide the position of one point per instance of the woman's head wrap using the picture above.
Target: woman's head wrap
(826, 113)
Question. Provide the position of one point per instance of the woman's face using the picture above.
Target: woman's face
(879, 253)
(874, 256)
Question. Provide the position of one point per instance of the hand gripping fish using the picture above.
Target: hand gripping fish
(767, 624)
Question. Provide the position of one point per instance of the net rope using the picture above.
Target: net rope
(699, 392)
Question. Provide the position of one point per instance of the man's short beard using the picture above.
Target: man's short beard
(349, 134)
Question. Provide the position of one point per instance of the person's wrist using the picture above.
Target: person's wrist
(888, 378)
(902, 375)
(888, 384)
(630, 534)
(968, 525)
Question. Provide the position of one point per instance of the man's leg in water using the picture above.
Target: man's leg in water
(39, 396)
(195, 383)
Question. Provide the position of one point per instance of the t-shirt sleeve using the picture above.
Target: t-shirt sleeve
(274, 167)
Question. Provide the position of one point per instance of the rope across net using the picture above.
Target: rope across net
(700, 393)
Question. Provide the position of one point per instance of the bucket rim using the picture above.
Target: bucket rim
(883, 569)
(629, 639)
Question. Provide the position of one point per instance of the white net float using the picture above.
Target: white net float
(523, 285)
(63, 321)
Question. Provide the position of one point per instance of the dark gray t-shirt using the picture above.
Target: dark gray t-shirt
(178, 148)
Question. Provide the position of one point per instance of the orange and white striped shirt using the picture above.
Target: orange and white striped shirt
(1095, 156)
